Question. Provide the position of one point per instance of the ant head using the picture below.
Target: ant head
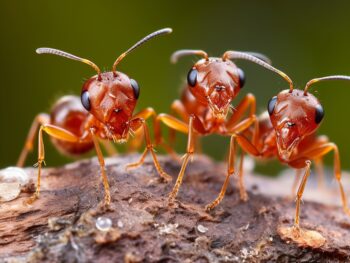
(110, 96)
(295, 114)
(215, 82)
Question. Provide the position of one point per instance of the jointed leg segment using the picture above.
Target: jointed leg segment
(136, 124)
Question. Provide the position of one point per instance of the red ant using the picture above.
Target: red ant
(103, 112)
(289, 133)
(212, 84)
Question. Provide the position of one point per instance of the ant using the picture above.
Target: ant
(287, 131)
(212, 84)
(103, 112)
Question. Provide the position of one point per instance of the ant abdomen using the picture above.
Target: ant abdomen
(69, 114)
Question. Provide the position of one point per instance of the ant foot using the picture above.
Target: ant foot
(165, 177)
(213, 204)
(31, 199)
(347, 211)
(302, 237)
(244, 196)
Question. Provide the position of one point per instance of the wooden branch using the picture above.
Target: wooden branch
(61, 225)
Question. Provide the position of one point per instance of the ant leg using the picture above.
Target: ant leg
(242, 191)
(186, 158)
(296, 182)
(107, 199)
(323, 149)
(246, 146)
(136, 142)
(230, 170)
(320, 173)
(53, 131)
(248, 101)
(108, 146)
(146, 114)
(40, 119)
(300, 194)
(149, 148)
(178, 108)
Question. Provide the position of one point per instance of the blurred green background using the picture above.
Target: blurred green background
(306, 39)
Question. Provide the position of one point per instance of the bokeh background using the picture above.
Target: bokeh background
(306, 39)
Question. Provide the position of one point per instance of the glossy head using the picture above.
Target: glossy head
(293, 115)
(215, 83)
(111, 96)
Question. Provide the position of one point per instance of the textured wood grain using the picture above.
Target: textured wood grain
(60, 226)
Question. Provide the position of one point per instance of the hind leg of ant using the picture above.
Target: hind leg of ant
(135, 125)
(40, 119)
(57, 133)
(319, 152)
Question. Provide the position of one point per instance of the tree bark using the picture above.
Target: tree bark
(61, 225)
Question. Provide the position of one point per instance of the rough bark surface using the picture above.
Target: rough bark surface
(61, 225)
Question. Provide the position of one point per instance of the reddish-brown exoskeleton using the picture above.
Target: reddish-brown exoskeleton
(288, 132)
(212, 84)
(104, 112)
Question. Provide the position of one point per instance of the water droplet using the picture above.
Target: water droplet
(120, 224)
(103, 223)
(14, 175)
(11, 181)
(202, 229)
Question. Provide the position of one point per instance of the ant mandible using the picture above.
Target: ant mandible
(212, 84)
(103, 112)
(288, 131)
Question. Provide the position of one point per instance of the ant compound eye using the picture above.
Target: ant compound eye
(85, 100)
(241, 77)
(319, 114)
(135, 87)
(271, 105)
(192, 77)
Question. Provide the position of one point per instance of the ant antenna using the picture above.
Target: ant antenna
(335, 77)
(160, 32)
(45, 50)
(186, 52)
(252, 58)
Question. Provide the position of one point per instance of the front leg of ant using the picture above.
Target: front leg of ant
(186, 158)
(230, 170)
(300, 194)
(248, 101)
(40, 119)
(57, 133)
(107, 199)
(136, 124)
